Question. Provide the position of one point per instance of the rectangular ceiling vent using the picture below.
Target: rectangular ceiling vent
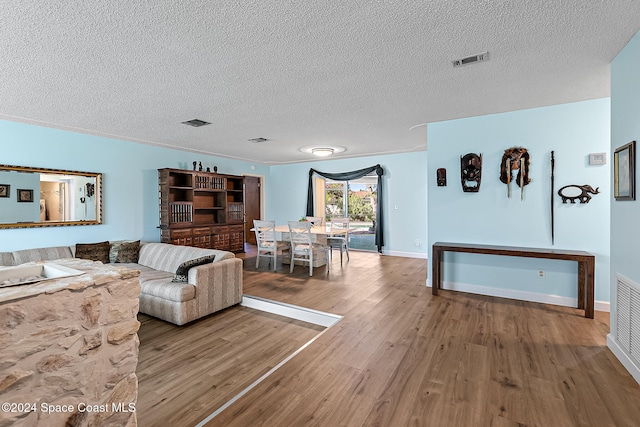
(257, 140)
(196, 123)
(484, 56)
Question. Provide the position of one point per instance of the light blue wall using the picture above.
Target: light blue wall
(488, 217)
(130, 181)
(404, 185)
(625, 127)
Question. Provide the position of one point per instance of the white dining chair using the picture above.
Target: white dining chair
(268, 246)
(302, 247)
(339, 236)
(315, 220)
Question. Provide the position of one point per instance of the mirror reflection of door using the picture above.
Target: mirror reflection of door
(51, 201)
(66, 198)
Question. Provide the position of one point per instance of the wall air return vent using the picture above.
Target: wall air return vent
(484, 56)
(196, 123)
(628, 316)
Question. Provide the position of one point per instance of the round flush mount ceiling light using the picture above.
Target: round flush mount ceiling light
(322, 151)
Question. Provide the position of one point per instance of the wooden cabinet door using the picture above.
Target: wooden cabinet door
(181, 237)
(251, 206)
(202, 237)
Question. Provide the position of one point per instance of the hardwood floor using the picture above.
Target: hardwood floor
(401, 356)
(186, 373)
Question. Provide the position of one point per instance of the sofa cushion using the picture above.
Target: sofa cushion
(93, 251)
(158, 283)
(41, 254)
(166, 257)
(182, 272)
(6, 259)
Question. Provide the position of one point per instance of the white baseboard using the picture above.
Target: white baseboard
(624, 358)
(406, 254)
(520, 295)
(602, 306)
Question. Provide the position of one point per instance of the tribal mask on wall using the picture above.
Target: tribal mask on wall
(471, 172)
(515, 159)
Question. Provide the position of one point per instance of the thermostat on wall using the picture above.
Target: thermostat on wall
(598, 158)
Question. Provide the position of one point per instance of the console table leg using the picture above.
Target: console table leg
(581, 283)
(436, 265)
(588, 312)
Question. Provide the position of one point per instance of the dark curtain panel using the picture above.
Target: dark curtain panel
(347, 176)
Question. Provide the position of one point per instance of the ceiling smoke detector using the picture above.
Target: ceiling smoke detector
(196, 123)
(484, 56)
(257, 140)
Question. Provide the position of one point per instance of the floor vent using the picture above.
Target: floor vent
(628, 316)
(471, 59)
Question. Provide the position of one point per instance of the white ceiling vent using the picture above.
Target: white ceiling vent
(196, 123)
(484, 56)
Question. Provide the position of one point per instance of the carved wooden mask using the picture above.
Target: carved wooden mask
(471, 172)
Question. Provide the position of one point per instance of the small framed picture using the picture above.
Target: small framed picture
(624, 172)
(25, 195)
(4, 190)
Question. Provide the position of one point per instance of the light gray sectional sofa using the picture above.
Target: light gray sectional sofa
(210, 287)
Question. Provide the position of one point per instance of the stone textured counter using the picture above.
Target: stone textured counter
(69, 349)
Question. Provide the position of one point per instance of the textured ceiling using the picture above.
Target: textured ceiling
(357, 74)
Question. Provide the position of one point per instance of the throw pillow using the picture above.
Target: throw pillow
(128, 252)
(182, 273)
(113, 251)
(93, 251)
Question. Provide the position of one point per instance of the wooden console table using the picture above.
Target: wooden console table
(585, 260)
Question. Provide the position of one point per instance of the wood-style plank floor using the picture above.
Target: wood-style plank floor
(403, 357)
(186, 373)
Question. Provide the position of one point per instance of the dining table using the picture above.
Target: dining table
(318, 230)
(319, 235)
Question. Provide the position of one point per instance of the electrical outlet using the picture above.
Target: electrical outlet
(541, 274)
(418, 243)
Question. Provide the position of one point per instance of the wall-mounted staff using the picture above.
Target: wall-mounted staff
(553, 165)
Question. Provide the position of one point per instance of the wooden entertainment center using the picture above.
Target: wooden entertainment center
(202, 209)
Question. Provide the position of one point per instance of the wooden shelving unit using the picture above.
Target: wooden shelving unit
(201, 209)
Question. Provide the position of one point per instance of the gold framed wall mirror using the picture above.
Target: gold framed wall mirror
(39, 197)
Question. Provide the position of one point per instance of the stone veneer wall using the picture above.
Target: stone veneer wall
(68, 354)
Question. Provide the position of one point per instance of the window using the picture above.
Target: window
(356, 200)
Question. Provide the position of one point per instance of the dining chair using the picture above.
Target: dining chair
(268, 246)
(315, 220)
(302, 247)
(339, 236)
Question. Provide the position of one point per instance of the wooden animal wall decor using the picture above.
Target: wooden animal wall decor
(577, 192)
(441, 177)
(515, 159)
(471, 172)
